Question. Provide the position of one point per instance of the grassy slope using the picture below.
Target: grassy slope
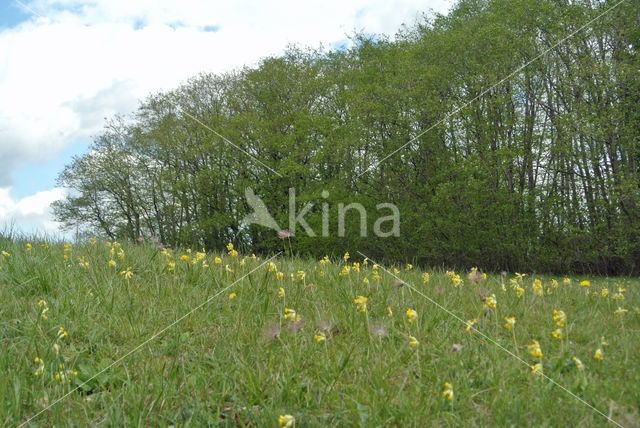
(223, 365)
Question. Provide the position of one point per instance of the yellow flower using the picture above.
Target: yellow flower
(409, 266)
(604, 292)
(127, 274)
(217, 260)
(491, 301)
(286, 421)
(228, 269)
(320, 337)
(290, 314)
(537, 287)
(411, 315)
(519, 291)
(578, 363)
(389, 312)
(112, 263)
(365, 280)
(301, 275)
(233, 253)
(585, 283)
(232, 295)
(566, 281)
(229, 246)
(279, 275)
(346, 256)
(413, 342)
(92, 241)
(534, 349)
(511, 322)
(281, 293)
(470, 324)
(5, 254)
(28, 246)
(425, 277)
(361, 303)
(448, 391)
(62, 333)
(537, 369)
(557, 333)
(620, 311)
(356, 267)
(456, 280)
(171, 266)
(83, 263)
(345, 270)
(598, 354)
(559, 317)
(184, 257)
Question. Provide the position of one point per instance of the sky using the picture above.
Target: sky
(67, 65)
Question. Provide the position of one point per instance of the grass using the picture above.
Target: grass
(238, 361)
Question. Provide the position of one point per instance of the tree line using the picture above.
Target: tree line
(507, 135)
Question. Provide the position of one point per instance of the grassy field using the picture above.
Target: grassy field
(130, 335)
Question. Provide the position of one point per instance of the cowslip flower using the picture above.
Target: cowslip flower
(411, 315)
(491, 301)
(470, 324)
(365, 280)
(279, 275)
(217, 260)
(361, 303)
(5, 254)
(320, 336)
(578, 363)
(62, 333)
(559, 317)
(534, 349)
(83, 263)
(290, 314)
(598, 354)
(346, 256)
(537, 369)
(413, 342)
(389, 312)
(585, 283)
(510, 322)
(28, 246)
(557, 333)
(232, 296)
(425, 277)
(127, 274)
(448, 391)
(281, 293)
(286, 421)
(604, 292)
(409, 266)
(112, 263)
(620, 311)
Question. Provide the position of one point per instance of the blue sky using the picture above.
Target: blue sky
(67, 65)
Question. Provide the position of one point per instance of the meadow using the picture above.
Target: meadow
(102, 333)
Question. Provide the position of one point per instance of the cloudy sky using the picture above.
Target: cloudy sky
(66, 65)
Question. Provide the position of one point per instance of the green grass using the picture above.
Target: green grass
(238, 361)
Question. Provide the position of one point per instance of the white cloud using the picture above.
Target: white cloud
(31, 213)
(77, 62)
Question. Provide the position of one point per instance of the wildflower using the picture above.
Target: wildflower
(92, 241)
(578, 363)
(409, 266)
(389, 312)
(279, 275)
(537, 369)
(365, 280)
(271, 267)
(456, 280)
(470, 324)
(585, 283)
(537, 287)
(598, 354)
(127, 274)
(451, 274)
(5, 254)
(566, 281)
(112, 263)
(301, 275)
(413, 342)
(345, 270)
(603, 342)
(557, 333)
(83, 263)
(62, 333)
(559, 317)
(290, 314)
(325, 260)
(120, 253)
(617, 296)
(520, 277)
(286, 421)
(620, 311)
(217, 260)
(361, 303)
(28, 246)
(233, 253)
(519, 291)
(554, 283)
(491, 301)
(320, 336)
(511, 322)
(171, 266)
(40, 363)
(425, 277)
(228, 269)
(281, 293)
(229, 246)
(346, 256)
(474, 276)
(604, 292)
(448, 391)
(534, 349)
(356, 267)
(232, 296)
(411, 315)
(56, 348)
